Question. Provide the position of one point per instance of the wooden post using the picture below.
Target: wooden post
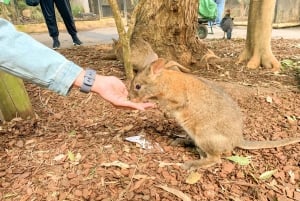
(14, 100)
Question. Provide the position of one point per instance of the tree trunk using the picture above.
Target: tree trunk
(4, 12)
(258, 41)
(170, 27)
(14, 101)
(123, 38)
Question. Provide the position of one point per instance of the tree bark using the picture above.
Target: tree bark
(170, 27)
(4, 12)
(258, 41)
(14, 98)
(123, 38)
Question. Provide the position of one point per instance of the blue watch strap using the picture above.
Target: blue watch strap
(88, 80)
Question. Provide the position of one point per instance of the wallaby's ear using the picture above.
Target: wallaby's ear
(157, 66)
(173, 65)
(114, 41)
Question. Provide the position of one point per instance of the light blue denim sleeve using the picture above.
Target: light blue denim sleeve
(24, 57)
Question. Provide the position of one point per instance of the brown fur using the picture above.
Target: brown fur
(210, 117)
(142, 53)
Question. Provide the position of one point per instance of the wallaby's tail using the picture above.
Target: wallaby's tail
(246, 144)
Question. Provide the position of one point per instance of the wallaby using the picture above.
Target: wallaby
(209, 116)
(142, 53)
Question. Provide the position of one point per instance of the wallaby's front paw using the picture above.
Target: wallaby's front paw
(181, 142)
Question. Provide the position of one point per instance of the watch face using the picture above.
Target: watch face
(88, 80)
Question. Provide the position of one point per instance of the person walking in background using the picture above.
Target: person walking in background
(227, 24)
(64, 8)
(220, 10)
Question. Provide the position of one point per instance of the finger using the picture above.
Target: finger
(148, 105)
(143, 106)
(138, 106)
(135, 106)
(130, 107)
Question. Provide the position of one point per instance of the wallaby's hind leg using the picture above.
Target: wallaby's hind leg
(187, 142)
(203, 163)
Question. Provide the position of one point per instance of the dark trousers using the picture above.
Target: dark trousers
(64, 8)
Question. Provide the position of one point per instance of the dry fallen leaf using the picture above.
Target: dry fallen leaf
(193, 178)
(74, 158)
(267, 174)
(269, 99)
(116, 164)
(292, 177)
(71, 156)
(241, 160)
(137, 184)
(142, 176)
(163, 164)
(59, 157)
(176, 192)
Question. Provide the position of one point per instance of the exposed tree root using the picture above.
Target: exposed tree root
(254, 61)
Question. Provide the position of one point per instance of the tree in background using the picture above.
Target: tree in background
(257, 51)
(124, 38)
(170, 28)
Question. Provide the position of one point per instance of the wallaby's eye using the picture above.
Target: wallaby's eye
(137, 86)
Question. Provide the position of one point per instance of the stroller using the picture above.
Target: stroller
(207, 13)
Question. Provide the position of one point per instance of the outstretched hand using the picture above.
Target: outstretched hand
(113, 90)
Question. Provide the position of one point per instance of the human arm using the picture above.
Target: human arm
(30, 60)
(113, 90)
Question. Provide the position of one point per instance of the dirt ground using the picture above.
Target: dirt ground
(76, 148)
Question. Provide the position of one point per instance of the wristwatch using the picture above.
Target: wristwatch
(88, 80)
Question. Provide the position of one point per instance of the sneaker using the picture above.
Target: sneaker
(56, 43)
(76, 41)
